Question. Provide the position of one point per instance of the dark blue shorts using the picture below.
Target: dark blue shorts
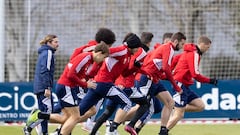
(185, 98)
(67, 96)
(104, 90)
(148, 87)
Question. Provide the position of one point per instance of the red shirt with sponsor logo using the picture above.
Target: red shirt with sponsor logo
(187, 66)
(115, 64)
(75, 71)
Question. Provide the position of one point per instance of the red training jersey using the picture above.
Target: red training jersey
(128, 81)
(187, 67)
(90, 46)
(158, 64)
(75, 71)
(114, 65)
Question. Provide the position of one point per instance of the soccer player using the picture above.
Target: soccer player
(187, 69)
(43, 79)
(156, 106)
(74, 75)
(116, 64)
(126, 84)
(155, 65)
(107, 36)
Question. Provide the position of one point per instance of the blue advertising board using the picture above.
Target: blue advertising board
(223, 101)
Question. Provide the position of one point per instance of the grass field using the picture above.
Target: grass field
(153, 129)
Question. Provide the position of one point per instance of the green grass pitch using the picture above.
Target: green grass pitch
(150, 129)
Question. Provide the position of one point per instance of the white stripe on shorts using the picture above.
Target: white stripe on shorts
(68, 98)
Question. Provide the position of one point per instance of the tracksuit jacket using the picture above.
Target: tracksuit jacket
(44, 71)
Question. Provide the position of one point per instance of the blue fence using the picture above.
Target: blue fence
(17, 100)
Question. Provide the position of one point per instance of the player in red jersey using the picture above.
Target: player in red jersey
(74, 75)
(116, 64)
(107, 36)
(155, 65)
(155, 105)
(187, 69)
(125, 83)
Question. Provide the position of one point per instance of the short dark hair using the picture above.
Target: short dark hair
(127, 36)
(106, 35)
(102, 47)
(146, 37)
(179, 36)
(167, 35)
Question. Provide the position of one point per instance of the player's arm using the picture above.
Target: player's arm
(92, 71)
(175, 61)
(166, 62)
(193, 63)
(74, 68)
(46, 63)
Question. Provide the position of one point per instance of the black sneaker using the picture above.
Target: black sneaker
(26, 131)
(163, 132)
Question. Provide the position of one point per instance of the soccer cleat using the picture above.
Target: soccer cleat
(88, 126)
(130, 130)
(33, 117)
(163, 132)
(26, 131)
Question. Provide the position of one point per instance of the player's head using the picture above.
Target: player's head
(178, 40)
(133, 42)
(100, 52)
(146, 39)
(106, 35)
(51, 40)
(167, 37)
(204, 43)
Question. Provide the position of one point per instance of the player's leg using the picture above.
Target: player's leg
(119, 97)
(109, 110)
(187, 98)
(168, 102)
(86, 106)
(177, 115)
(69, 101)
(132, 112)
(196, 105)
(155, 107)
(138, 98)
(45, 104)
(164, 96)
(73, 116)
(88, 125)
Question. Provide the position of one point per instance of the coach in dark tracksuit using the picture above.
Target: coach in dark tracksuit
(43, 78)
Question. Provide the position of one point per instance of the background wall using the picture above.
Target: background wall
(76, 22)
